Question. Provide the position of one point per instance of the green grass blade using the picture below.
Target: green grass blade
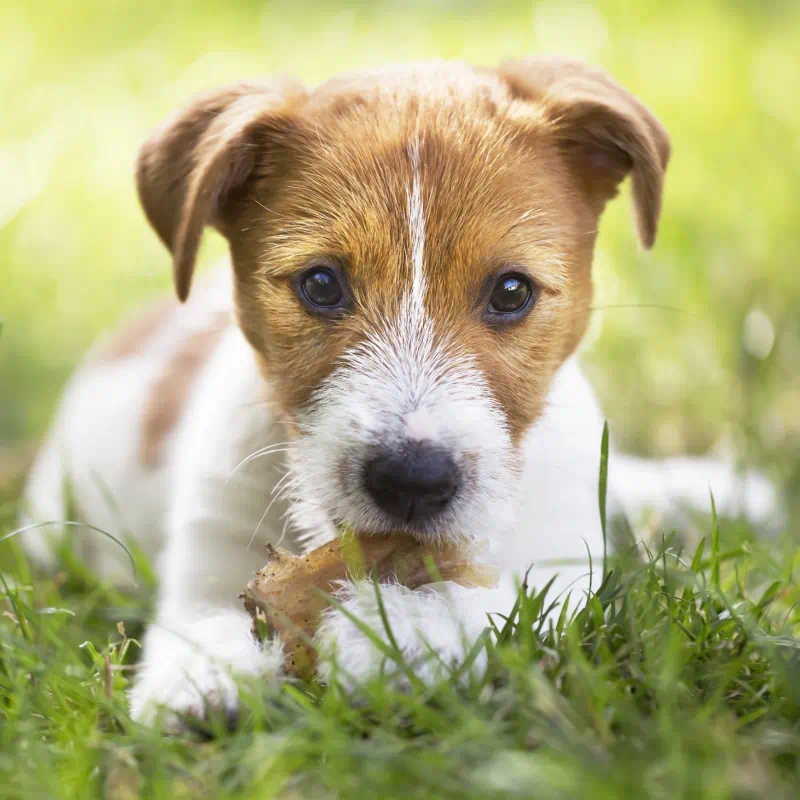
(715, 558)
(602, 493)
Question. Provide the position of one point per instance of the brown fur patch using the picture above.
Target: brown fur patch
(167, 396)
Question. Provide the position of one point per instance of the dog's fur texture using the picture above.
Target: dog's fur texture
(242, 418)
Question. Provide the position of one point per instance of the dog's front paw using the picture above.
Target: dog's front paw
(179, 695)
(431, 633)
(189, 676)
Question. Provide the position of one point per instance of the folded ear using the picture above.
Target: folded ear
(606, 132)
(191, 167)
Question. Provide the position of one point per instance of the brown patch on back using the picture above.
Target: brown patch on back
(167, 397)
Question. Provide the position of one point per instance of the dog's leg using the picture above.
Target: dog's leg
(223, 512)
(201, 638)
(192, 659)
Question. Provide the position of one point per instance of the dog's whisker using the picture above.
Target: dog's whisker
(260, 523)
(280, 447)
(289, 489)
(269, 506)
(286, 520)
(277, 488)
(291, 503)
(253, 457)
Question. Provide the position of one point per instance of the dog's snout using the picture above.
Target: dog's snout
(414, 482)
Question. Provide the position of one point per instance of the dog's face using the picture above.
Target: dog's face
(412, 253)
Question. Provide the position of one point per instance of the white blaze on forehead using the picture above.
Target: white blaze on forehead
(416, 233)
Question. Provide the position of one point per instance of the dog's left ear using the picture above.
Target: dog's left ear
(604, 130)
(191, 169)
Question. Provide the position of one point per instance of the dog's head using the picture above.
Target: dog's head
(412, 251)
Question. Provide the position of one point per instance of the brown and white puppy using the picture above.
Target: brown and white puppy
(411, 253)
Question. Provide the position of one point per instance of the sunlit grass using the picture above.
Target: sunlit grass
(680, 677)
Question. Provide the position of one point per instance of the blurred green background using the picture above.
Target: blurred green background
(695, 346)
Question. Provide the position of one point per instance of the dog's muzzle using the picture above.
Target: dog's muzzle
(413, 482)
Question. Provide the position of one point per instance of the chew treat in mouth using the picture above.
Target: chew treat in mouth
(289, 594)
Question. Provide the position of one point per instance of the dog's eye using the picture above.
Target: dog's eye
(322, 288)
(511, 295)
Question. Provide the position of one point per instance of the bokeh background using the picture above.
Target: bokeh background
(695, 346)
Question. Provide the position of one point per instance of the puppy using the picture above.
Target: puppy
(411, 255)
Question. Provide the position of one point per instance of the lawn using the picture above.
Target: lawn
(681, 678)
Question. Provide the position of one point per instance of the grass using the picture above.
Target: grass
(681, 677)
(678, 677)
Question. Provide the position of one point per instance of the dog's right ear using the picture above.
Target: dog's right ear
(190, 168)
(602, 128)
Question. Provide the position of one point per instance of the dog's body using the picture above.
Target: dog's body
(411, 256)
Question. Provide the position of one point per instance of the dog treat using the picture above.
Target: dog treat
(288, 595)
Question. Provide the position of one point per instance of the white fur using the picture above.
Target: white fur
(434, 628)
(421, 426)
(416, 232)
(191, 662)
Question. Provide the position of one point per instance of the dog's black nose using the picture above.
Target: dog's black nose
(414, 482)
